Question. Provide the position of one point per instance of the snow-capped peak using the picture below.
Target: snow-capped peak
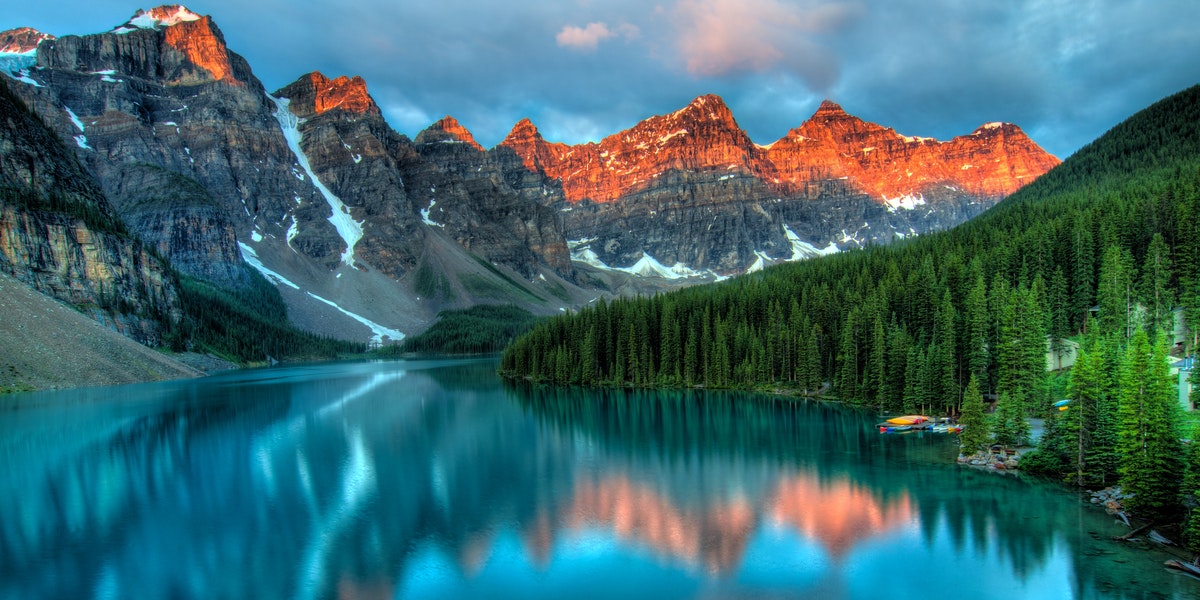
(157, 18)
(22, 41)
(989, 127)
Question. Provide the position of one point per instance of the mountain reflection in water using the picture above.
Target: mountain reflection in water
(434, 479)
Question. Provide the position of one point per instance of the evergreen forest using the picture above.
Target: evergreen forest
(480, 329)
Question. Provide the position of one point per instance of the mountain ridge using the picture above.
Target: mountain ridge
(785, 165)
(355, 222)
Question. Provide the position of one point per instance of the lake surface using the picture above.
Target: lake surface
(434, 479)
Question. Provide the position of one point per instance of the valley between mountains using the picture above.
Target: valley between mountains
(148, 155)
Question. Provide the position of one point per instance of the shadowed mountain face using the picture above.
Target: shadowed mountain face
(326, 199)
(60, 235)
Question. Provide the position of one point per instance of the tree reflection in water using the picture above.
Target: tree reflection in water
(432, 478)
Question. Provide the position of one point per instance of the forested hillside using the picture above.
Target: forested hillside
(905, 327)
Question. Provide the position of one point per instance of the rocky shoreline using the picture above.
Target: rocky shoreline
(1003, 460)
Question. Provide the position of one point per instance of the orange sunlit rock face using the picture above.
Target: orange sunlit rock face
(536, 153)
(455, 131)
(21, 39)
(995, 160)
(346, 93)
(839, 515)
(199, 41)
(314, 94)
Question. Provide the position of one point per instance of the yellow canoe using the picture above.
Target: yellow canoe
(908, 420)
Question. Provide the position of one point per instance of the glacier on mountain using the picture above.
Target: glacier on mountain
(350, 230)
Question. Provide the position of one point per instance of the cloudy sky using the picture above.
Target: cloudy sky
(1065, 71)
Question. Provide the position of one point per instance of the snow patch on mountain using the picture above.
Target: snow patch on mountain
(907, 202)
(80, 140)
(646, 266)
(802, 250)
(759, 263)
(379, 330)
(292, 232)
(425, 215)
(350, 230)
(16, 61)
(251, 257)
(157, 19)
(17, 65)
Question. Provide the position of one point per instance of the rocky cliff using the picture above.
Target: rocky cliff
(992, 162)
(60, 235)
(163, 90)
(310, 184)
(21, 40)
(483, 210)
(689, 192)
(403, 191)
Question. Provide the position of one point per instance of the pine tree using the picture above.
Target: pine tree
(1114, 293)
(1009, 424)
(1083, 272)
(977, 332)
(1154, 288)
(1002, 420)
(1148, 445)
(944, 362)
(975, 434)
(877, 364)
(848, 357)
(913, 381)
(1189, 493)
(1033, 379)
(812, 374)
(1058, 300)
(588, 358)
(1101, 454)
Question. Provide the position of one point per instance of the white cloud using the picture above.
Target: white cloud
(719, 37)
(587, 38)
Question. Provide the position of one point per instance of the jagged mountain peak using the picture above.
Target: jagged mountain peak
(707, 117)
(831, 120)
(315, 94)
(21, 40)
(524, 129)
(997, 127)
(159, 17)
(448, 130)
(194, 35)
(708, 111)
(831, 145)
(706, 107)
(829, 108)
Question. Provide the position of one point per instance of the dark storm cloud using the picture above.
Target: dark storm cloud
(1065, 72)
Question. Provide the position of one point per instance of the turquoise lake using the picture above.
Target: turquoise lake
(436, 479)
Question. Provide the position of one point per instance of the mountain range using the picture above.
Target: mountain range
(370, 234)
